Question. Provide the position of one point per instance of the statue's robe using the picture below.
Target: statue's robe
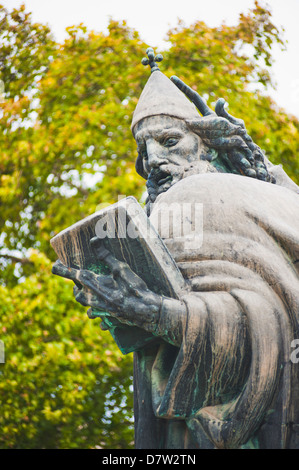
(222, 377)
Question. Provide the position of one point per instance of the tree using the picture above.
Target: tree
(66, 147)
(64, 384)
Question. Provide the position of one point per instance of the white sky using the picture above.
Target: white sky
(152, 20)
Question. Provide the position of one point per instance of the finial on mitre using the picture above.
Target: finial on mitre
(152, 59)
(161, 96)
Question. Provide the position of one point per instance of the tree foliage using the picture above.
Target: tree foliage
(64, 384)
(66, 147)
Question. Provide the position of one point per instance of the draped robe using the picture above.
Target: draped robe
(222, 376)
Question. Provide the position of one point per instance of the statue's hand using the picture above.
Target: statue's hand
(122, 293)
(223, 132)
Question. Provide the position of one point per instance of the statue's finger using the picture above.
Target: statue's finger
(259, 157)
(197, 124)
(76, 290)
(214, 127)
(106, 256)
(109, 287)
(262, 174)
(103, 326)
(242, 164)
(89, 299)
(96, 284)
(193, 96)
(108, 281)
(116, 266)
(61, 270)
(83, 298)
(221, 111)
(98, 247)
(58, 267)
(98, 312)
(106, 285)
(250, 172)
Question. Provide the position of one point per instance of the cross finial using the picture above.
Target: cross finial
(152, 59)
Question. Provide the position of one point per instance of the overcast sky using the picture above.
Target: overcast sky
(152, 20)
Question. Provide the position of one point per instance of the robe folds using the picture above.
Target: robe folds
(222, 375)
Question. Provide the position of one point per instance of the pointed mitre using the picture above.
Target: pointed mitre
(161, 96)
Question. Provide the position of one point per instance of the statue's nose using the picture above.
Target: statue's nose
(154, 161)
(155, 155)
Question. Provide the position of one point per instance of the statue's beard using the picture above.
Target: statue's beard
(163, 178)
(159, 180)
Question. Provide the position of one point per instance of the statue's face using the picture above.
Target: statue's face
(164, 139)
(169, 149)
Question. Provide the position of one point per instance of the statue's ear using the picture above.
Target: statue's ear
(139, 167)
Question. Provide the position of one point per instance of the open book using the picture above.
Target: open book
(127, 232)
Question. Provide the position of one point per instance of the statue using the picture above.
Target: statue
(219, 374)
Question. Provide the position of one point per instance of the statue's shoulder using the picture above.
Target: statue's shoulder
(238, 190)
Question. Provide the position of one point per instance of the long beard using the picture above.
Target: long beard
(160, 181)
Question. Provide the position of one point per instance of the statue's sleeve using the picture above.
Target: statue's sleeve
(227, 367)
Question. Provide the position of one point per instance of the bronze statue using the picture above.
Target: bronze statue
(219, 373)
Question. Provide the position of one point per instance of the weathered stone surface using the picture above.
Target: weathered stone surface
(232, 379)
(152, 100)
(219, 373)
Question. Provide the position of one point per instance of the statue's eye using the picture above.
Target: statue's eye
(170, 141)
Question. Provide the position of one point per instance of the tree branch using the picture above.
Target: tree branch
(15, 259)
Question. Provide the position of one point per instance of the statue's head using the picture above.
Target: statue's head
(166, 141)
(175, 141)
